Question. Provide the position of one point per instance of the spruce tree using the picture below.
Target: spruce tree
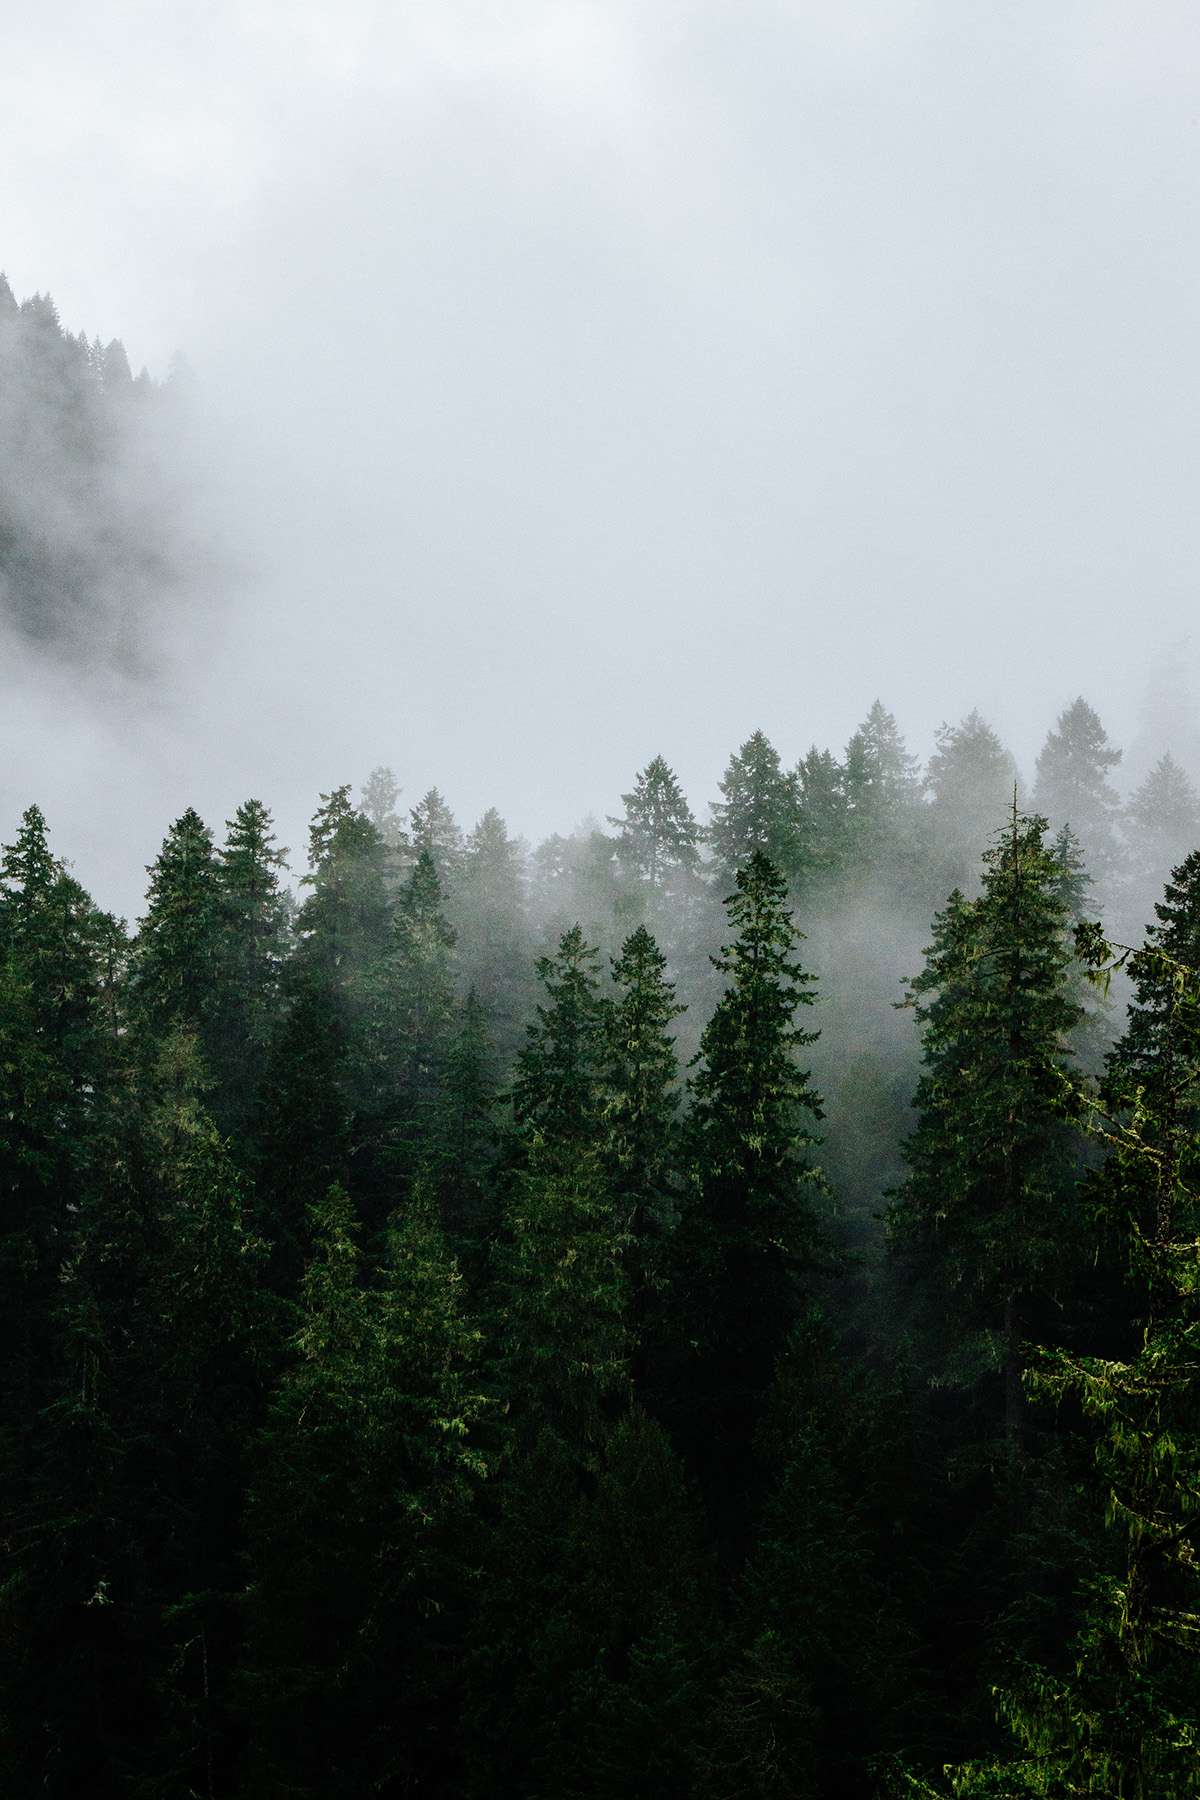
(396, 1074)
(1161, 826)
(656, 835)
(1073, 787)
(824, 814)
(882, 787)
(253, 952)
(971, 779)
(642, 1107)
(435, 830)
(178, 954)
(1120, 1714)
(749, 1230)
(345, 922)
(556, 1090)
(489, 914)
(986, 1206)
(760, 810)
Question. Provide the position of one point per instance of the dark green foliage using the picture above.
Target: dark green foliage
(556, 1091)
(641, 1124)
(177, 957)
(410, 1389)
(253, 953)
(882, 788)
(825, 815)
(760, 810)
(657, 836)
(986, 1206)
(365, 1481)
(749, 1229)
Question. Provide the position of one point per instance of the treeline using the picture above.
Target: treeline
(432, 1361)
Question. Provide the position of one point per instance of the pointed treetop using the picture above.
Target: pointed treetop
(657, 832)
(880, 772)
(760, 810)
(379, 798)
(435, 829)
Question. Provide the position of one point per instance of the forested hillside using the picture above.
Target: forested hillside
(85, 538)
(570, 1322)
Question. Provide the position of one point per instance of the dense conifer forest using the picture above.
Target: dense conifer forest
(704, 1308)
(493, 1322)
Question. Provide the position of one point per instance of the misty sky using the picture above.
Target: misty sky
(578, 382)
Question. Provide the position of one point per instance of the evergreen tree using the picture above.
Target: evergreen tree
(824, 813)
(561, 1293)
(178, 954)
(750, 1228)
(657, 834)
(1073, 787)
(760, 810)
(643, 1101)
(252, 959)
(345, 923)
(817, 1677)
(435, 831)
(379, 798)
(971, 779)
(985, 1208)
(356, 1516)
(882, 788)
(1176, 937)
(398, 1070)
(300, 1134)
(556, 1091)
(1123, 1717)
(489, 914)
(465, 1145)
(1161, 826)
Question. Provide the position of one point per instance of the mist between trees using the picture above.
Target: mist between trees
(701, 1307)
(573, 1322)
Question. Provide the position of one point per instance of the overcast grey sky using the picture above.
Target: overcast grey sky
(586, 381)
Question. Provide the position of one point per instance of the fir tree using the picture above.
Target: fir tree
(1123, 1717)
(971, 779)
(1073, 787)
(1161, 826)
(397, 1072)
(750, 1228)
(986, 1202)
(177, 957)
(345, 922)
(379, 799)
(556, 1091)
(657, 834)
(489, 914)
(435, 831)
(643, 1101)
(252, 959)
(824, 813)
(882, 788)
(760, 810)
